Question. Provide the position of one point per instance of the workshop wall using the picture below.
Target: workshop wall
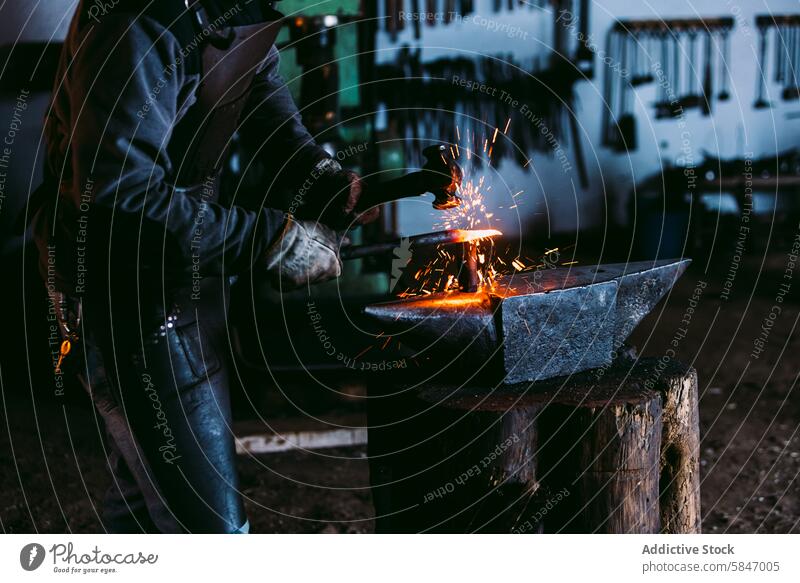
(553, 199)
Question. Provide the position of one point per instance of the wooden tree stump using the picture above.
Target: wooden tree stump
(611, 450)
(680, 450)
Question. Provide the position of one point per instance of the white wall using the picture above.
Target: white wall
(553, 199)
(35, 20)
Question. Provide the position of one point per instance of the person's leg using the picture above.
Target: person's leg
(131, 504)
(124, 506)
(170, 387)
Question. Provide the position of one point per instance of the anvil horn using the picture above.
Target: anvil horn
(545, 323)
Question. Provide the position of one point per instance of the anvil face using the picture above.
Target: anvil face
(543, 324)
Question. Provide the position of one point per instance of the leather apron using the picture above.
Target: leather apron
(230, 57)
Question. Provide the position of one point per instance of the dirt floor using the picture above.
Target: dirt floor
(53, 473)
(749, 405)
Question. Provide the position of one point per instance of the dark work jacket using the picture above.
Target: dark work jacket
(112, 217)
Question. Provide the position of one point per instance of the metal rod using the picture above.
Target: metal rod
(447, 237)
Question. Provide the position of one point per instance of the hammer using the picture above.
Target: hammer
(440, 175)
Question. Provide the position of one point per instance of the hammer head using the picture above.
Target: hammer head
(442, 176)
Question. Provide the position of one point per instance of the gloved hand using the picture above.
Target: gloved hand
(333, 196)
(304, 253)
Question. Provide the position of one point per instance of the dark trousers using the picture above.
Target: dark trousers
(157, 373)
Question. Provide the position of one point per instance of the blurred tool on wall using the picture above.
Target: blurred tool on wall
(686, 58)
(783, 31)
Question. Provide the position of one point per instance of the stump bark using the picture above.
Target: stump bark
(609, 451)
(680, 450)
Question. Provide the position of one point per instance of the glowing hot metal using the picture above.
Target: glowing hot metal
(448, 237)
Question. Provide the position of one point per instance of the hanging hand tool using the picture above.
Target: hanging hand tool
(626, 122)
(676, 110)
(648, 50)
(662, 104)
(635, 68)
(584, 57)
(449, 11)
(781, 49)
(641, 64)
(691, 98)
(430, 8)
(609, 98)
(416, 17)
(724, 94)
(390, 24)
(610, 84)
(761, 102)
(791, 57)
(577, 148)
(708, 84)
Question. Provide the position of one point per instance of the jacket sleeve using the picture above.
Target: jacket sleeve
(273, 125)
(126, 88)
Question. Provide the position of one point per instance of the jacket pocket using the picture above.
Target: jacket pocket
(201, 357)
(177, 358)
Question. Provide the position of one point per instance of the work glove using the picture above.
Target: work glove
(304, 253)
(333, 196)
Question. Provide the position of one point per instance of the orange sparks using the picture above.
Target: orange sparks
(363, 352)
(470, 222)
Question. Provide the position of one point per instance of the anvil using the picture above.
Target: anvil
(538, 324)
